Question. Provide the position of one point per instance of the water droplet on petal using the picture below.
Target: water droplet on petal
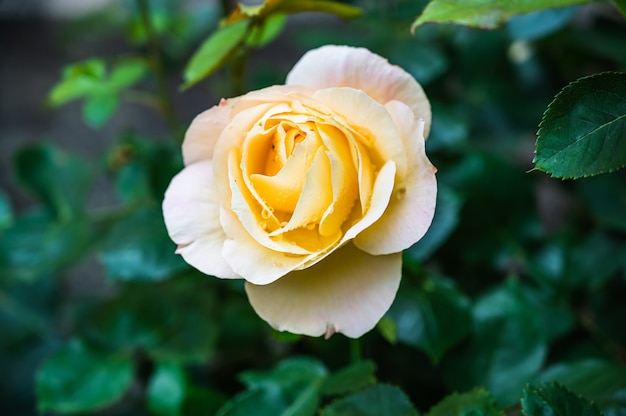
(266, 214)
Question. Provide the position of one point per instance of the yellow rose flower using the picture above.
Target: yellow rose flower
(309, 191)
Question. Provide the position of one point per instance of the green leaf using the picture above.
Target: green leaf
(76, 379)
(388, 329)
(434, 318)
(507, 348)
(539, 24)
(6, 214)
(79, 80)
(214, 52)
(601, 381)
(484, 14)
(137, 248)
(268, 31)
(167, 390)
(475, 403)
(291, 388)
(99, 108)
(351, 378)
(59, 179)
(445, 221)
(38, 245)
(127, 73)
(344, 11)
(582, 131)
(554, 399)
(377, 400)
(621, 5)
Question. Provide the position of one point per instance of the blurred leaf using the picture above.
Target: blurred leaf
(291, 388)
(127, 73)
(475, 403)
(173, 321)
(202, 401)
(59, 179)
(426, 62)
(344, 11)
(388, 329)
(351, 378)
(444, 222)
(98, 109)
(582, 131)
(538, 24)
(481, 14)
(268, 31)
(508, 345)
(434, 318)
(606, 197)
(79, 80)
(449, 132)
(214, 52)
(554, 399)
(601, 381)
(6, 214)
(621, 5)
(76, 379)
(37, 245)
(167, 389)
(138, 248)
(377, 400)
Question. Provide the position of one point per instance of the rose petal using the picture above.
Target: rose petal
(412, 206)
(191, 213)
(344, 66)
(349, 292)
(370, 118)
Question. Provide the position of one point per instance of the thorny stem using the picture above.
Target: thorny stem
(156, 62)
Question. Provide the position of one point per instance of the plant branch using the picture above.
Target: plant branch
(156, 62)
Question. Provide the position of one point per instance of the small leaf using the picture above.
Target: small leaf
(76, 379)
(483, 14)
(79, 80)
(215, 51)
(554, 399)
(433, 318)
(388, 329)
(60, 180)
(127, 73)
(138, 248)
(99, 108)
(166, 390)
(378, 400)
(351, 378)
(268, 31)
(475, 403)
(582, 132)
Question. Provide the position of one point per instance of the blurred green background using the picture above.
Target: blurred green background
(521, 278)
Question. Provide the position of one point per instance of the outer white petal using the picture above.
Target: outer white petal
(348, 292)
(345, 66)
(411, 208)
(191, 212)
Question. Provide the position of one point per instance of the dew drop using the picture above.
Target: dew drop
(266, 214)
(310, 226)
(283, 224)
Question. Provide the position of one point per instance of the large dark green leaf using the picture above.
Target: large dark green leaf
(38, 245)
(59, 179)
(290, 388)
(351, 378)
(582, 132)
(475, 403)
(483, 14)
(433, 318)
(76, 379)
(378, 400)
(554, 399)
(601, 381)
(138, 248)
(508, 346)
